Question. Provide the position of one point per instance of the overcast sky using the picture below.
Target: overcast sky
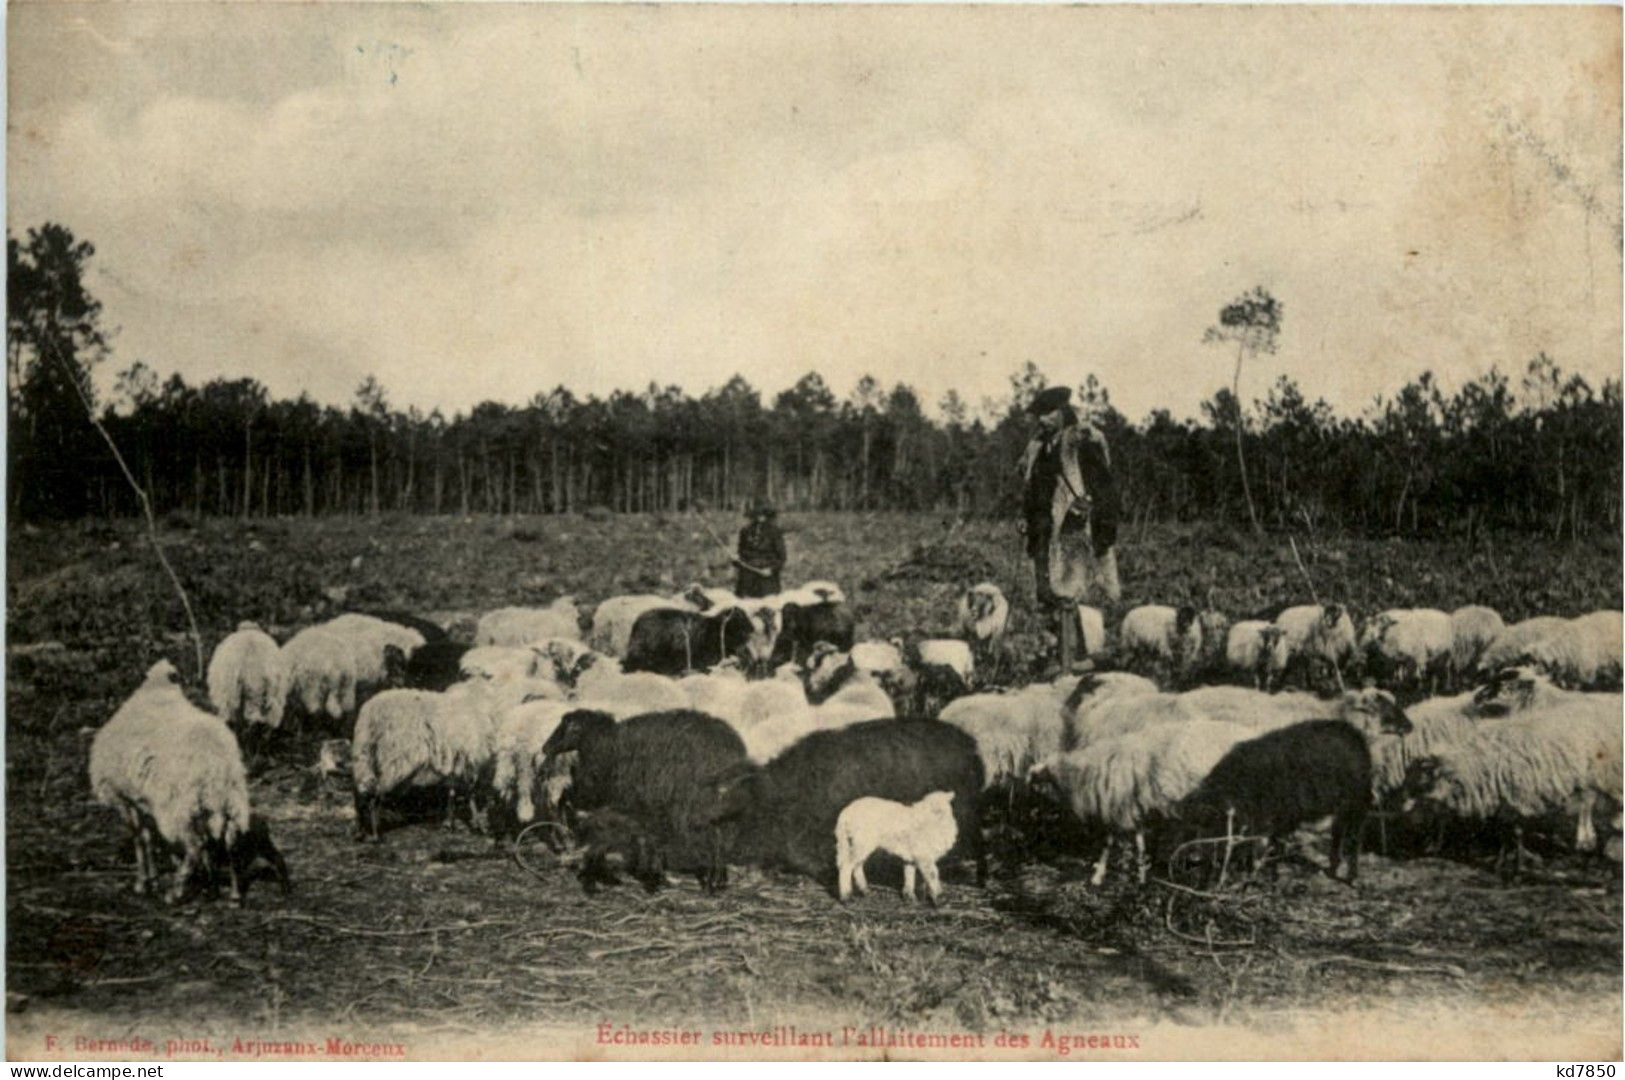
(479, 202)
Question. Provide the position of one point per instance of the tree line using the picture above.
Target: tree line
(1538, 451)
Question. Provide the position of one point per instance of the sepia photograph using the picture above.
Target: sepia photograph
(817, 532)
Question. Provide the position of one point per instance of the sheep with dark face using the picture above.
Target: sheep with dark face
(671, 642)
(1273, 784)
(660, 770)
(1163, 641)
(436, 665)
(783, 814)
(802, 626)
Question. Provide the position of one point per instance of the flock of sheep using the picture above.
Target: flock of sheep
(688, 733)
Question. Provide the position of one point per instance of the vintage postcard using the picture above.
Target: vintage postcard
(607, 531)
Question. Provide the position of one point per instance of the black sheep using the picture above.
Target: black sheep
(669, 641)
(784, 812)
(435, 666)
(1278, 781)
(660, 770)
(803, 626)
(614, 842)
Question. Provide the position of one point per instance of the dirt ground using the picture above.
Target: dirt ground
(433, 935)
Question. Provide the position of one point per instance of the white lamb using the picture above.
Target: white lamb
(175, 775)
(417, 738)
(1313, 637)
(1472, 628)
(612, 620)
(1417, 645)
(1162, 640)
(321, 672)
(1126, 779)
(525, 626)
(1248, 647)
(920, 835)
(248, 681)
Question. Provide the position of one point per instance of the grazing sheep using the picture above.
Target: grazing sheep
(248, 682)
(1603, 634)
(944, 652)
(519, 764)
(1248, 648)
(875, 657)
(920, 835)
(1472, 628)
(1013, 731)
(321, 673)
(370, 642)
(254, 845)
(1128, 781)
(1312, 637)
(429, 630)
(500, 663)
(175, 775)
(661, 770)
(613, 842)
(414, 738)
(605, 687)
(436, 666)
(1552, 644)
(1411, 646)
(802, 627)
(1523, 766)
(1162, 640)
(671, 642)
(1371, 710)
(523, 626)
(783, 813)
(612, 621)
(1278, 781)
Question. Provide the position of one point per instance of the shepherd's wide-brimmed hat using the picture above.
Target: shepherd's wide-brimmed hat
(1049, 400)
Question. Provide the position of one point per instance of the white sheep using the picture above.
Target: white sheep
(1416, 644)
(1525, 766)
(500, 662)
(417, 738)
(248, 681)
(1436, 723)
(1124, 780)
(1550, 643)
(1013, 731)
(604, 686)
(1312, 636)
(175, 775)
(920, 835)
(1472, 628)
(1163, 640)
(524, 626)
(719, 692)
(949, 653)
(984, 614)
(370, 639)
(518, 763)
(613, 619)
(1248, 647)
(876, 657)
(321, 672)
(1603, 634)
